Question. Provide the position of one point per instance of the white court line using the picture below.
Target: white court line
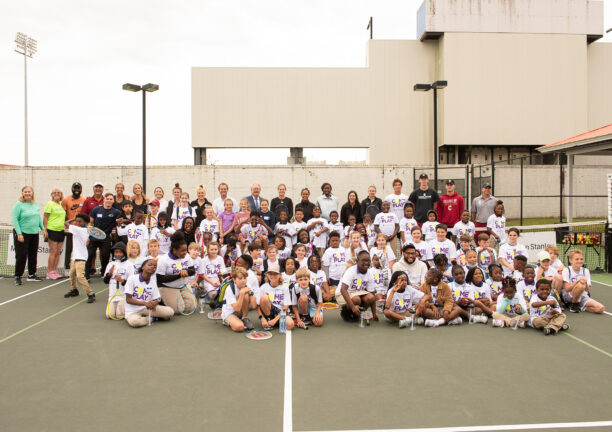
(288, 400)
(494, 427)
(33, 292)
(601, 283)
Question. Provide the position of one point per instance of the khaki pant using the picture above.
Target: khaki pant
(116, 309)
(509, 320)
(554, 322)
(141, 319)
(340, 298)
(170, 296)
(77, 273)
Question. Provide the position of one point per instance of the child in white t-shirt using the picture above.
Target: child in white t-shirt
(137, 231)
(289, 266)
(182, 211)
(274, 297)
(319, 231)
(284, 228)
(213, 271)
(397, 200)
(496, 224)
(348, 229)
(307, 300)
(195, 261)
(387, 223)
(236, 301)
(407, 223)
(486, 254)
(334, 262)
(511, 308)
(116, 275)
(335, 225)
(317, 276)
(142, 297)
(545, 311)
(421, 246)
(255, 229)
(297, 225)
(370, 230)
(210, 224)
(429, 227)
(80, 240)
(481, 295)
(527, 286)
(379, 278)
(299, 251)
(442, 245)
(577, 285)
(401, 298)
(162, 232)
(284, 251)
(495, 281)
(463, 227)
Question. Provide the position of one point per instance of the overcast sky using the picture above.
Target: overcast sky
(78, 114)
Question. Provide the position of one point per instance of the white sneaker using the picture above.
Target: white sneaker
(431, 323)
(405, 322)
(498, 323)
(484, 319)
(456, 321)
(67, 272)
(419, 321)
(522, 324)
(367, 314)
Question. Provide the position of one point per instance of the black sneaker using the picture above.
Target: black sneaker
(307, 320)
(574, 307)
(548, 331)
(18, 281)
(92, 272)
(33, 278)
(248, 325)
(565, 327)
(72, 293)
(91, 298)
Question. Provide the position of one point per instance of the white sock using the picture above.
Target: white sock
(440, 321)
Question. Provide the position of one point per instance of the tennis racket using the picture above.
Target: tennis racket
(372, 210)
(96, 233)
(330, 305)
(117, 297)
(181, 310)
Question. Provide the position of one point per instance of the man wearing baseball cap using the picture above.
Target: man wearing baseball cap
(96, 200)
(450, 206)
(423, 199)
(483, 206)
(73, 204)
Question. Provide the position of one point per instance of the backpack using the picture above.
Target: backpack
(313, 291)
(227, 283)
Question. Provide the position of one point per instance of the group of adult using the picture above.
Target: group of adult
(106, 208)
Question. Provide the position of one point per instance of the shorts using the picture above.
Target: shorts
(340, 298)
(274, 312)
(582, 301)
(312, 310)
(56, 236)
(228, 319)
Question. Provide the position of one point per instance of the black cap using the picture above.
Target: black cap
(486, 185)
(124, 203)
(75, 184)
(423, 176)
(450, 181)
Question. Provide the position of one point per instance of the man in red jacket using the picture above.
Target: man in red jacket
(450, 206)
(96, 200)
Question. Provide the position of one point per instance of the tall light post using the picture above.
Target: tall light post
(426, 87)
(26, 46)
(145, 88)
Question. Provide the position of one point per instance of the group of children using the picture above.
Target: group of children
(289, 270)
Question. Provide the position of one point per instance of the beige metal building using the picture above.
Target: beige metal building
(521, 74)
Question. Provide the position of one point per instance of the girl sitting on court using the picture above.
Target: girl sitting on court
(480, 294)
(213, 269)
(511, 308)
(172, 271)
(116, 275)
(318, 277)
(162, 233)
(495, 281)
(289, 267)
(379, 278)
(306, 300)
(400, 299)
(384, 251)
(134, 255)
(273, 298)
(142, 295)
(422, 247)
(439, 305)
(460, 290)
(284, 251)
(527, 287)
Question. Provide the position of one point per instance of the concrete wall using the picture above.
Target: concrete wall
(583, 17)
(539, 180)
(600, 85)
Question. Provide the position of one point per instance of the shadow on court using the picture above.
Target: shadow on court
(76, 370)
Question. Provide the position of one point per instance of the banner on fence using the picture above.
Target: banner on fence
(536, 242)
(43, 253)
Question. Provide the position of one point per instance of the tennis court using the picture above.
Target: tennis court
(66, 367)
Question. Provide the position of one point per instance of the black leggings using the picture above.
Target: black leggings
(26, 251)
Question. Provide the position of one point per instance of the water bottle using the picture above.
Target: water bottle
(201, 305)
(282, 326)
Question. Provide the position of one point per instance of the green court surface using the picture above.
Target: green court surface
(65, 367)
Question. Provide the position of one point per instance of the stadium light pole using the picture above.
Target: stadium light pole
(436, 85)
(26, 46)
(147, 88)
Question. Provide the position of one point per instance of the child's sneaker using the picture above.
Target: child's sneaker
(405, 322)
(431, 323)
(521, 324)
(456, 321)
(34, 278)
(548, 331)
(419, 321)
(91, 298)
(72, 293)
(565, 327)
(483, 319)
(574, 307)
(498, 323)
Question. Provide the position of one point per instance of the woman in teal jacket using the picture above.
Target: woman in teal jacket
(26, 225)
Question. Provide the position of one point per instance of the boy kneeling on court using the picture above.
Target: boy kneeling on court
(236, 300)
(401, 298)
(439, 305)
(307, 300)
(142, 297)
(545, 311)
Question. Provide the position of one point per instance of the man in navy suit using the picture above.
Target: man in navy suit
(254, 199)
